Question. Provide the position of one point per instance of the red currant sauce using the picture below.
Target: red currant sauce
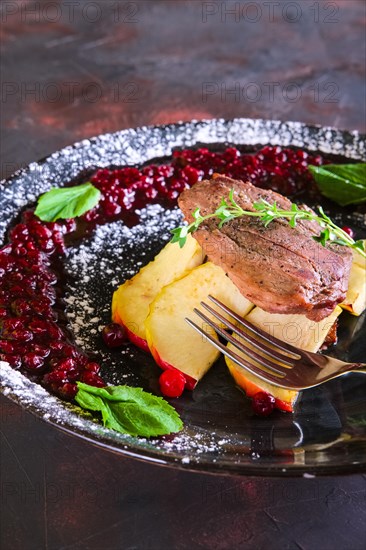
(33, 327)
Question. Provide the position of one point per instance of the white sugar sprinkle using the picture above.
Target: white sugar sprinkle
(86, 262)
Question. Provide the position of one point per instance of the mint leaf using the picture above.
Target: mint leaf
(353, 173)
(130, 410)
(67, 202)
(343, 183)
(89, 401)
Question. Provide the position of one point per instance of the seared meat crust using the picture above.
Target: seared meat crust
(279, 268)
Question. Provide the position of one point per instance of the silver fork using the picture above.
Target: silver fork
(272, 360)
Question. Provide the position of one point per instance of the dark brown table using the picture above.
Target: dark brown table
(76, 68)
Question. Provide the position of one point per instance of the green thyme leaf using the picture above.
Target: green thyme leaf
(267, 219)
(196, 214)
(293, 221)
(343, 183)
(176, 235)
(359, 245)
(267, 212)
(260, 206)
(183, 232)
(67, 202)
(323, 238)
(226, 219)
(130, 410)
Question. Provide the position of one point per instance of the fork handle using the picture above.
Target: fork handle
(358, 367)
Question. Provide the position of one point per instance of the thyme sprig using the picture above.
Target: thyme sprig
(229, 210)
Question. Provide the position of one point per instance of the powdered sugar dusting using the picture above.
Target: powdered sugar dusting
(94, 261)
(56, 411)
(92, 266)
(33, 395)
(136, 146)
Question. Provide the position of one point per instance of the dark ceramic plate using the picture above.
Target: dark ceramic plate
(327, 433)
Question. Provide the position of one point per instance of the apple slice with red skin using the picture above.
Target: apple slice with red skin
(172, 341)
(133, 338)
(296, 330)
(131, 301)
(191, 383)
(355, 301)
(284, 399)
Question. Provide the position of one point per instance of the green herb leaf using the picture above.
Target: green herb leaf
(183, 232)
(176, 235)
(260, 206)
(196, 214)
(293, 221)
(323, 238)
(228, 218)
(67, 202)
(268, 218)
(343, 183)
(130, 410)
(267, 213)
(360, 245)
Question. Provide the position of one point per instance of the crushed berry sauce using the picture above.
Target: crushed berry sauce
(34, 335)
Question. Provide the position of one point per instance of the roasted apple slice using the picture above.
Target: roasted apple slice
(297, 330)
(173, 343)
(251, 384)
(131, 301)
(358, 259)
(355, 301)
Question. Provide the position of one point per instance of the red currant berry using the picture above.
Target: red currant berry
(172, 383)
(263, 403)
(22, 335)
(68, 391)
(114, 335)
(349, 231)
(33, 362)
(92, 367)
(91, 378)
(191, 174)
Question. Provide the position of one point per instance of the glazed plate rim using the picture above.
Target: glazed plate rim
(35, 399)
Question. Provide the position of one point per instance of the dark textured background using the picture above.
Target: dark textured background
(74, 69)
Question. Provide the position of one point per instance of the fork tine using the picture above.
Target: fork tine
(245, 365)
(288, 348)
(274, 367)
(286, 359)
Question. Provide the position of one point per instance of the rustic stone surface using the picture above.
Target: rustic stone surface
(73, 70)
